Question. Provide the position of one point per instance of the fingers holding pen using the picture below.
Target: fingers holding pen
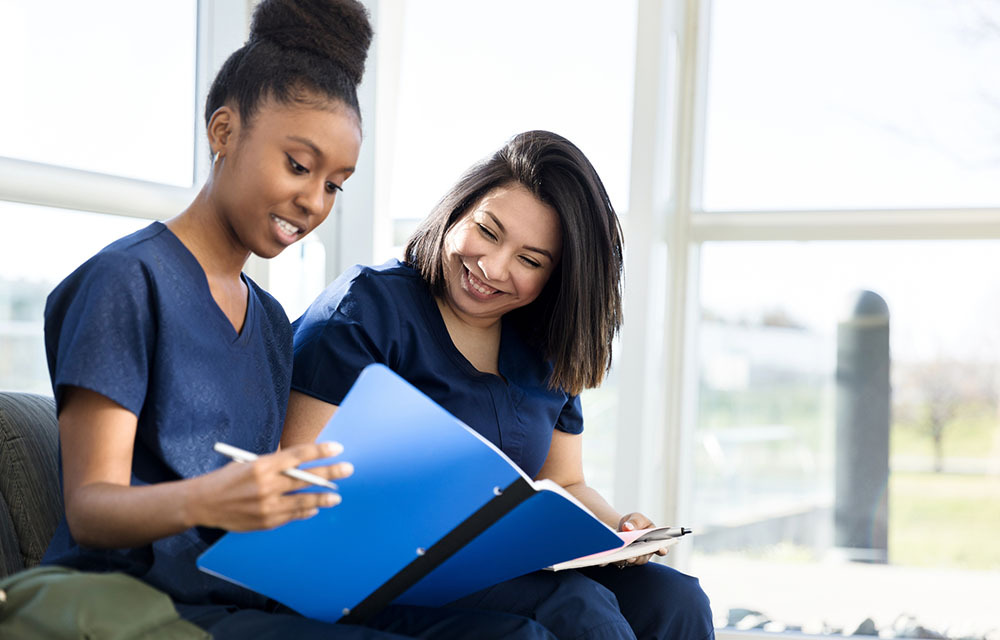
(293, 457)
(259, 494)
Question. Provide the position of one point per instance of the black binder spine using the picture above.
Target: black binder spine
(518, 491)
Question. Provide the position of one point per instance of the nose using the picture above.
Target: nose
(494, 267)
(314, 200)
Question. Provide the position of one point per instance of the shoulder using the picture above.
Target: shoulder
(368, 303)
(134, 254)
(123, 269)
(362, 291)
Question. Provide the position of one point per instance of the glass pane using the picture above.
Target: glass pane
(30, 269)
(106, 86)
(296, 275)
(847, 444)
(474, 74)
(827, 104)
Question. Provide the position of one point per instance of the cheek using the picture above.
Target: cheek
(534, 283)
(458, 243)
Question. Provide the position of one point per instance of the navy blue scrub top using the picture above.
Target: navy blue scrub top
(386, 314)
(137, 323)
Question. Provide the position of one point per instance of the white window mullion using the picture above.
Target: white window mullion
(53, 186)
(922, 224)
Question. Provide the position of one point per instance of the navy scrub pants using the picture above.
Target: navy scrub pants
(642, 602)
(393, 623)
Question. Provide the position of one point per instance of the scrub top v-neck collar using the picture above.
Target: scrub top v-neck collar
(439, 329)
(190, 263)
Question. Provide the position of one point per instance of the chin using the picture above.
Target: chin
(267, 252)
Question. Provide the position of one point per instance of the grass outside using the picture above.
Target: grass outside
(944, 520)
(972, 434)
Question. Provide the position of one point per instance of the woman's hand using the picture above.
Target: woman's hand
(631, 522)
(256, 495)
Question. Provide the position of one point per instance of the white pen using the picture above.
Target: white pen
(239, 455)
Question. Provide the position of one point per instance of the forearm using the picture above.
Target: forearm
(595, 502)
(107, 515)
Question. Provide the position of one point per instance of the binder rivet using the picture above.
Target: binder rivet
(497, 491)
(420, 551)
(346, 611)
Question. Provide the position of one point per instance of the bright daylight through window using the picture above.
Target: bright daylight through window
(847, 441)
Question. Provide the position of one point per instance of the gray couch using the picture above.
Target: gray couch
(30, 499)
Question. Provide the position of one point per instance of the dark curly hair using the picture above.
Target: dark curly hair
(575, 319)
(304, 51)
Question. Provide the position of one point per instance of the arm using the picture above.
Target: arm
(305, 418)
(564, 465)
(103, 510)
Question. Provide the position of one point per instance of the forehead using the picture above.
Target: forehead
(321, 121)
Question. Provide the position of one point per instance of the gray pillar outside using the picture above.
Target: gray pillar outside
(862, 440)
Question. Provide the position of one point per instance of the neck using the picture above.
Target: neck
(478, 340)
(212, 242)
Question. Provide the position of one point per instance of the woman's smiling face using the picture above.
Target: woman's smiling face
(279, 178)
(500, 254)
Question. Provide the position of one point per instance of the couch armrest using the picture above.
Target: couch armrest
(30, 496)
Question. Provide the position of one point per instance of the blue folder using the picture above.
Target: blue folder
(432, 512)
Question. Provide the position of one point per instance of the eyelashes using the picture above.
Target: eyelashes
(489, 235)
(483, 229)
(299, 169)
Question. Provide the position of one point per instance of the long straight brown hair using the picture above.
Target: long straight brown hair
(573, 322)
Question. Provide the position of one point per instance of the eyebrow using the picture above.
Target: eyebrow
(504, 230)
(312, 145)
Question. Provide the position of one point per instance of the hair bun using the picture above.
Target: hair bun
(338, 30)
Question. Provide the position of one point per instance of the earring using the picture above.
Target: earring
(215, 158)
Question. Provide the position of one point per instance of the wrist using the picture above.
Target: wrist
(189, 509)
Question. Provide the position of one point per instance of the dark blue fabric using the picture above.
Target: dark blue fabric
(567, 603)
(386, 314)
(658, 601)
(392, 623)
(137, 323)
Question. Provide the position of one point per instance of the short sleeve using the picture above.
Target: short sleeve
(571, 417)
(99, 330)
(345, 330)
(329, 360)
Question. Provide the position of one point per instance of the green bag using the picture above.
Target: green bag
(54, 602)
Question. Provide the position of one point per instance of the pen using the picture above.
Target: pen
(239, 455)
(676, 532)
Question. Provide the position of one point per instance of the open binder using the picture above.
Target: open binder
(433, 512)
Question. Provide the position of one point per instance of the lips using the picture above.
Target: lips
(286, 226)
(476, 287)
(284, 231)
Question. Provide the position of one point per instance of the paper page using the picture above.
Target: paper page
(616, 555)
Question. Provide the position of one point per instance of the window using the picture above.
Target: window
(788, 431)
(105, 86)
(852, 104)
(838, 363)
